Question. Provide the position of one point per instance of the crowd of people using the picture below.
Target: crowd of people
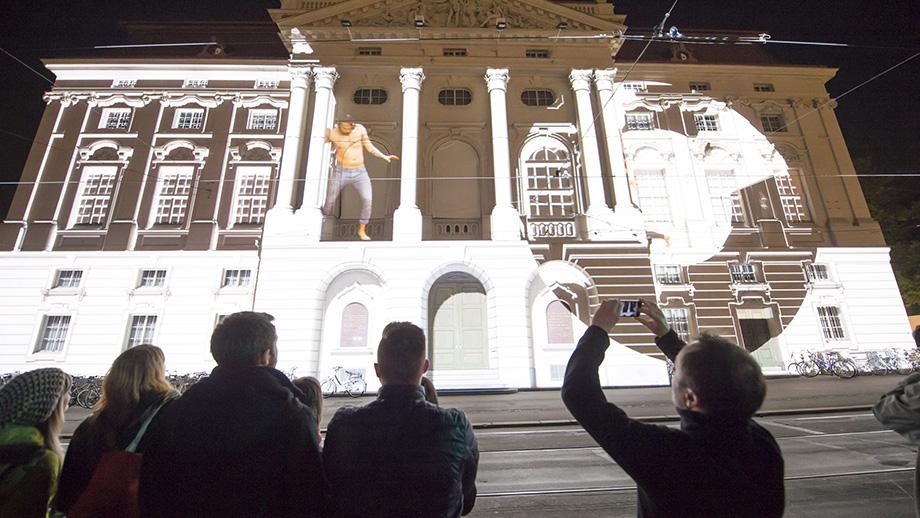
(245, 441)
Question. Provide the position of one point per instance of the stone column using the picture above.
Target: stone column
(597, 203)
(407, 220)
(293, 133)
(317, 153)
(506, 222)
(604, 80)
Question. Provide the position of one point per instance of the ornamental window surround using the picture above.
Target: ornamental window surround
(174, 190)
(831, 323)
(251, 194)
(68, 278)
(188, 118)
(639, 122)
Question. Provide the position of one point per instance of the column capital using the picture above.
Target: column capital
(300, 76)
(411, 78)
(581, 79)
(604, 79)
(497, 79)
(325, 77)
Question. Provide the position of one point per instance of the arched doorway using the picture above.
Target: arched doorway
(458, 324)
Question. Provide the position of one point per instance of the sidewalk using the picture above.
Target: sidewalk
(544, 407)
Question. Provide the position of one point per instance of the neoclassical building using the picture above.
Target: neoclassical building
(541, 168)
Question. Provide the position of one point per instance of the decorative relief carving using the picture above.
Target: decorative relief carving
(581, 79)
(325, 77)
(455, 14)
(604, 79)
(497, 79)
(411, 78)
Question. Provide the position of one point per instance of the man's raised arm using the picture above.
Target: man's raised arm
(369, 146)
(651, 316)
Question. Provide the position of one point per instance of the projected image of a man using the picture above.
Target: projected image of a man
(350, 141)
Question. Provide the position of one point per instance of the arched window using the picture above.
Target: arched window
(548, 189)
(559, 323)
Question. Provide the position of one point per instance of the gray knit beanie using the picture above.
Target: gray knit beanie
(31, 397)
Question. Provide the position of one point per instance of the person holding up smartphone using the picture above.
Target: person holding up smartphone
(720, 463)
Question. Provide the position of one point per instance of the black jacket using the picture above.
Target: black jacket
(401, 456)
(93, 438)
(238, 443)
(713, 466)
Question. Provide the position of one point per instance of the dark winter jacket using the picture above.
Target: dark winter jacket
(93, 438)
(713, 466)
(238, 443)
(401, 456)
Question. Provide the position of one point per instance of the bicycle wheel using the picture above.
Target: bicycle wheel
(903, 367)
(878, 368)
(328, 387)
(846, 369)
(356, 387)
(810, 369)
(88, 397)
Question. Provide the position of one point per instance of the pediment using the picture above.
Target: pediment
(526, 15)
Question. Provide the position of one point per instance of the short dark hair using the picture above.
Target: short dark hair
(725, 377)
(402, 350)
(241, 338)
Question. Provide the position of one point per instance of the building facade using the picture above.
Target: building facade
(541, 168)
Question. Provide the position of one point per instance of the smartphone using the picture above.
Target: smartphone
(630, 308)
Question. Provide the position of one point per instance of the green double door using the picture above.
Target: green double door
(459, 330)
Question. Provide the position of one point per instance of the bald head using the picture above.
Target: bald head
(401, 354)
(725, 377)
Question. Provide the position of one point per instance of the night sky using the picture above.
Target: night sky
(880, 120)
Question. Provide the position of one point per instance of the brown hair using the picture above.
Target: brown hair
(138, 371)
(311, 388)
(431, 395)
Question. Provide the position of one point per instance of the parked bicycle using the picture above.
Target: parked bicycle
(831, 363)
(351, 382)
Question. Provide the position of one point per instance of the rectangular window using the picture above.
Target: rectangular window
(95, 195)
(790, 197)
(142, 330)
(455, 52)
(124, 83)
(668, 274)
(262, 120)
(679, 320)
(188, 119)
(236, 278)
(152, 279)
(115, 118)
(173, 196)
(706, 122)
(817, 272)
(653, 195)
(195, 83)
(831, 325)
(68, 279)
(54, 333)
(635, 87)
(267, 83)
(763, 87)
(369, 51)
(743, 273)
(773, 123)
(639, 121)
(700, 86)
(251, 195)
(724, 196)
(536, 53)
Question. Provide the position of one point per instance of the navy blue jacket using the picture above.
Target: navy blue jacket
(713, 466)
(401, 456)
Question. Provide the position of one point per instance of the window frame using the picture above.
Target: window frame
(652, 195)
(266, 84)
(775, 121)
(149, 328)
(455, 97)
(375, 96)
(122, 118)
(679, 320)
(124, 83)
(262, 116)
(236, 275)
(195, 120)
(195, 83)
(537, 53)
(541, 97)
(764, 87)
(179, 180)
(250, 207)
(811, 273)
(706, 122)
(454, 52)
(635, 86)
(369, 51)
(75, 282)
(159, 278)
(61, 337)
(98, 183)
(724, 202)
(743, 273)
(700, 86)
(669, 274)
(832, 323)
(633, 121)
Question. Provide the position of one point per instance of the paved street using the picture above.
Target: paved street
(536, 462)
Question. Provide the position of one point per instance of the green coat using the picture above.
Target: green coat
(28, 473)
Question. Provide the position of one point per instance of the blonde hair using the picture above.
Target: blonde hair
(310, 386)
(51, 428)
(137, 371)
